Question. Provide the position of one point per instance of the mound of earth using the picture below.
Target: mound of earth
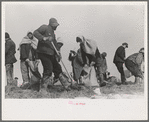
(110, 91)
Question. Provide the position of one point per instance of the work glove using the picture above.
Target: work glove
(27, 60)
(92, 63)
(49, 38)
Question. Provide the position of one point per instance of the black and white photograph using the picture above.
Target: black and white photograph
(74, 60)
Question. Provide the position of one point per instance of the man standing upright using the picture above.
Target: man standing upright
(47, 54)
(119, 60)
(27, 49)
(10, 50)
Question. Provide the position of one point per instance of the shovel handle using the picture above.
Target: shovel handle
(62, 63)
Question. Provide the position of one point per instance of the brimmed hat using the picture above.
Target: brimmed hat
(125, 44)
(53, 22)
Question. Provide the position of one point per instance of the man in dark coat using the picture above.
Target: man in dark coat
(46, 52)
(77, 64)
(119, 60)
(10, 50)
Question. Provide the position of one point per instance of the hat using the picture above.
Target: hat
(125, 44)
(53, 22)
(29, 33)
(141, 49)
(16, 78)
(59, 40)
(104, 54)
(79, 38)
(6, 35)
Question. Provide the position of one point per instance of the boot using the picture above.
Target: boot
(81, 81)
(64, 82)
(102, 83)
(55, 80)
(137, 80)
(124, 83)
(46, 80)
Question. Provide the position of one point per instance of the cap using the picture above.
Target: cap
(125, 44)
(16, 78)
(59, 40)
(53, 22)
(104, 54)
(29, 32)
(142, 49)
(6, 35)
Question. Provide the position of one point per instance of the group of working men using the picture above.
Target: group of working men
(42, 45)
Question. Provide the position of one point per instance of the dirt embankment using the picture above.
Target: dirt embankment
(114, 91)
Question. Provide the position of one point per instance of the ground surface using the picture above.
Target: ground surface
(111, 91)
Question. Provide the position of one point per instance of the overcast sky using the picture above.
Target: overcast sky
(108, 25)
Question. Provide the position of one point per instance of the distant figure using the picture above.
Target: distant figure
(27, 49)
(101, 68)
(133, 64)
(77, 64)
(102, 63)
(59, 46)
(119, 60)
(10, 59)
(47, 54)
(58, 58)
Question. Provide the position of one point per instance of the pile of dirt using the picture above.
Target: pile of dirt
(55, 92)
(58, 92)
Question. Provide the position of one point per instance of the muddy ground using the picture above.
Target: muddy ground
(110, 91)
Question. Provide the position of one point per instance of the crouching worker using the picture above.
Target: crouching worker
(29, 62)
(89, 52)
(47, 54)
(133, 64)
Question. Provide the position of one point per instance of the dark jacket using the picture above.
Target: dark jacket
(10, 50)
(45, 46)
(98, 58)
(136, 58)
(25, 51)
(119, 55)
(104, 64)
(77, 64)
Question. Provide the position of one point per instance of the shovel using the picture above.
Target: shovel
(71, 79)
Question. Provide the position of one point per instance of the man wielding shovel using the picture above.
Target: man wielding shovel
(47, 54)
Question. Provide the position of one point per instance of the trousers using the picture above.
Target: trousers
(9, 73)
(25, 72)
(50, 65)
(119, 66)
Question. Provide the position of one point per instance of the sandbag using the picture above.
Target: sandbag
(90, 79)
(127, 73)
(33, 65)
